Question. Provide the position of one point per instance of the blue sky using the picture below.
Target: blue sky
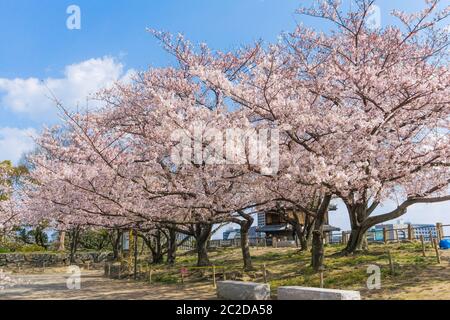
(112, 42)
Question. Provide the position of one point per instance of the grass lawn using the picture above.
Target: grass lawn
(415, 277)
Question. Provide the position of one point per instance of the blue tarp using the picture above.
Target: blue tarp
(444, 244)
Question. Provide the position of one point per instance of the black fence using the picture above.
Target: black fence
(395, 233)
(189, 244)
(391, 233)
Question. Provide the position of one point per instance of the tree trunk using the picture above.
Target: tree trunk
(245, 243)
(358, 236)
(317, 255)
(74, 244)
(357, 241)
(302, 229)
(202, 234)
(171, 246)
(302, 234)
(116, 241)
(303, 243)
(156, 248)
(157, 257)
(61, 241)
(317, 244)
(202, 253)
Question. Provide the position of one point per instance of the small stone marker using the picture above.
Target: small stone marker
(238, 290)
(305, 293)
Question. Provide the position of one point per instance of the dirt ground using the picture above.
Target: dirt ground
(430, 283)
(52, 285)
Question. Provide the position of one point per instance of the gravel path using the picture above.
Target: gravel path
(52, 285)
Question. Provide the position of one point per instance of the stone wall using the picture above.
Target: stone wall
(13, 260)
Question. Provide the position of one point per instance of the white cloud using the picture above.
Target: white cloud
(31, 96)
(14, 142)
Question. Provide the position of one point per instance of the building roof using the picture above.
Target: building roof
(273, 228)
(284, 227)
(328, 228)
(232, 235)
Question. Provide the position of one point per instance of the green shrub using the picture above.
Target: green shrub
(8, 246)
(31, 248)
(166, 278)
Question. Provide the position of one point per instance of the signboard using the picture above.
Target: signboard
(126, 241)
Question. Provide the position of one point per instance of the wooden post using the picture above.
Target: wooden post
(264, 273)
(343, 238)
(150, 275)
(385, 239)
(431, 239)
(109, 269)
(410, 232)
(439, 231)
(391, 263)
(321, 277)
(436, 248)
(214, 275)
(326, 238)
(423, 245)
(135, 251)
(61, 241)
(275, 242)
(224, 274)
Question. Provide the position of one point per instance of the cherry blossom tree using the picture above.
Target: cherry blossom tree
(365, 110)
(10, 179)
(361, 113)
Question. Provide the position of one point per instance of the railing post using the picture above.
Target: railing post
(264, 273)
(410, 232)
(436, 248)
(431, 239)
(214, 275)
(423, 245)
(396, 236)
(385, 239)
(439, 231)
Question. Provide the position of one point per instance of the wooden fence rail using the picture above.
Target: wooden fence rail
(409, 233)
